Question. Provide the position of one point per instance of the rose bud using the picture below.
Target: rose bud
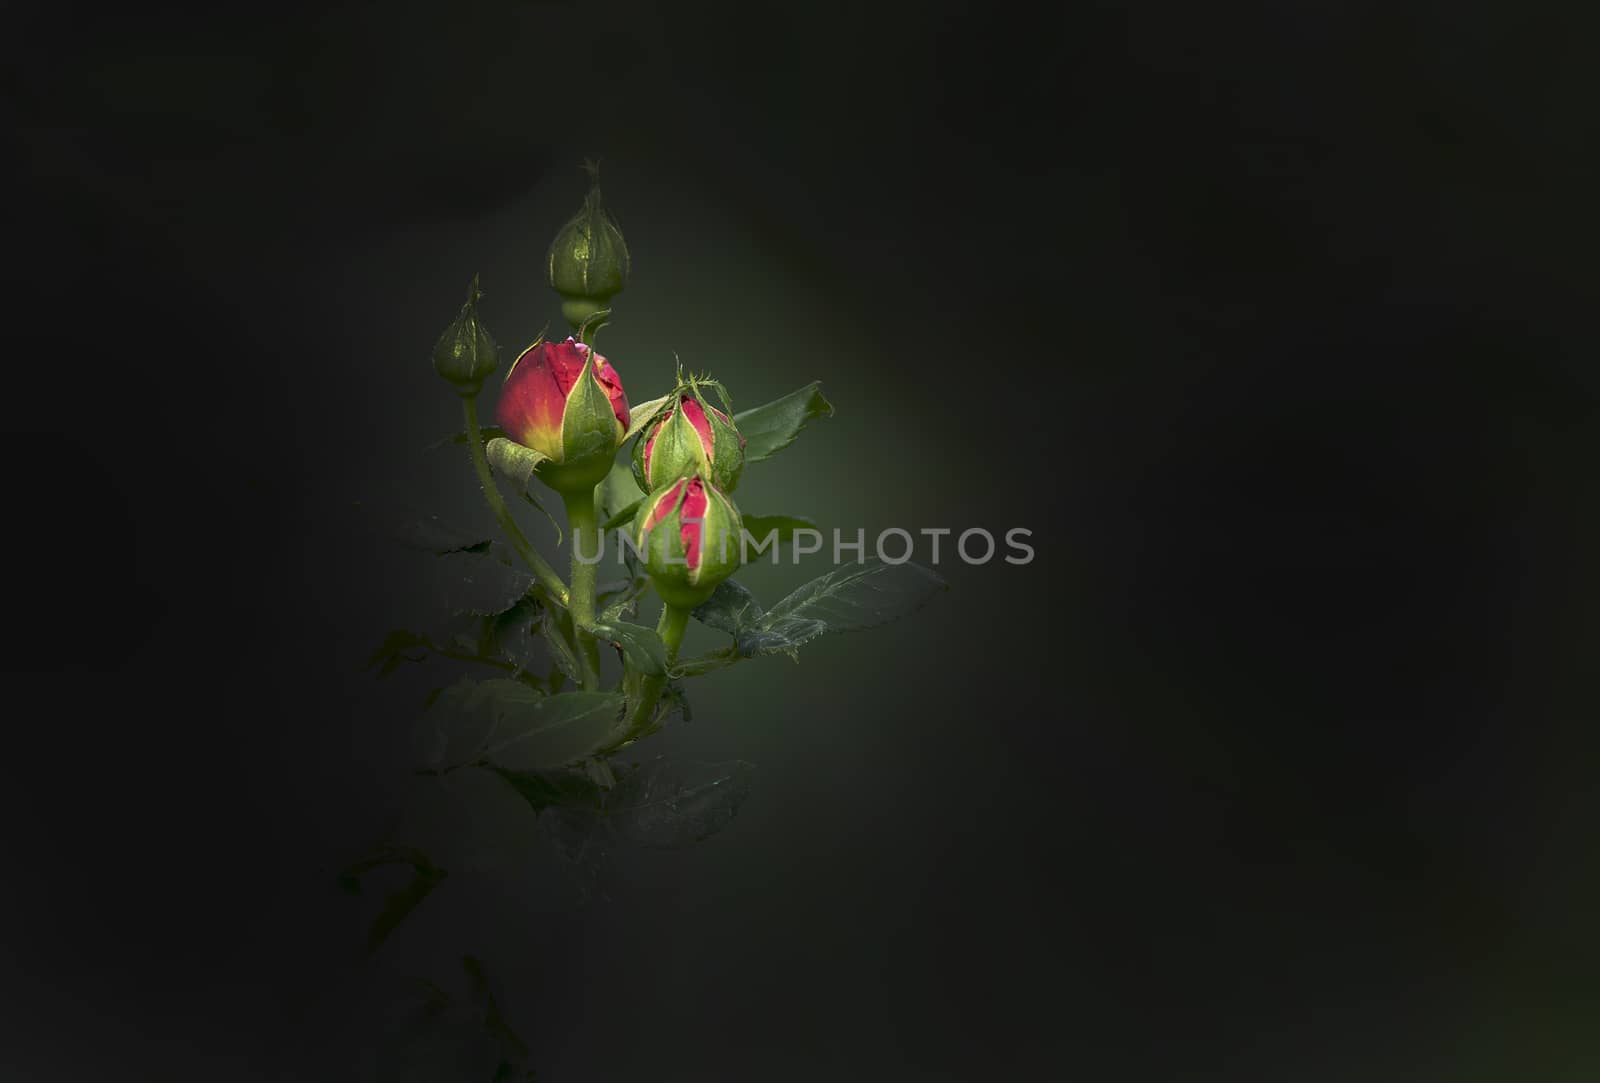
(564, 400)
(589, 260)
(465, 354)
(690, 438)
(688, 535)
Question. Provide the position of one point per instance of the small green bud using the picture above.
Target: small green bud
(589, 260)
(465, 354)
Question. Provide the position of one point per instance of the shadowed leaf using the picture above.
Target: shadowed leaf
(848, 599)
(668, 805)
(731, 608)
(483, 584)
(533, 732)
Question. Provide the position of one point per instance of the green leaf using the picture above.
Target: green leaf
(641, 415)
(554, 789)
(707, 663)
(456, 726)
(514, 636)
(556, 628)
(848, 599)
(513, 460)
(770, 428)
(759, 527)
(624, 516)
(618, 599)
(483, 584)
(731, 609)
(535, 732)
(641, 645)
(505, 723)
(618, 491)
(620, 498)
(661, 804)
(527, 495)
(599, 772)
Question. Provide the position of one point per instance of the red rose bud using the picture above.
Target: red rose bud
(564, 400)
(692, 437)
(688, 535)
(465, 354)
(588, 260)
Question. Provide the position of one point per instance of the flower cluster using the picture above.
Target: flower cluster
(687, 460)
(563, 406)
(687, 528)
(552, 734)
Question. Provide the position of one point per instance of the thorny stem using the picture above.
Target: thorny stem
(670, 628)
(585, 529)
(542, 571)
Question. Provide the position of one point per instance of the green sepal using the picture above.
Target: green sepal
(512, 459)
(665, 557)
(676, 452)
(727, 445)
(588, 435)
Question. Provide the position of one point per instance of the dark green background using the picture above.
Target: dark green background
(1273, 323)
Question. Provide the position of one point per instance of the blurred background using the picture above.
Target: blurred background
(1274, 324)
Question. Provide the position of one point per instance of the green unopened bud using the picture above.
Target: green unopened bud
(690, 535)
(465, 354)
(690, 437)
(588, 259)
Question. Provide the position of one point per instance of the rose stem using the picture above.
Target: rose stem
(542, 571)
(585, 529)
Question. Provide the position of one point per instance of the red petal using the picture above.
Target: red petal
(663, 505)
(566, 361)
(532, 401)
(613, 384)
(694, 507)
(697, 418)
